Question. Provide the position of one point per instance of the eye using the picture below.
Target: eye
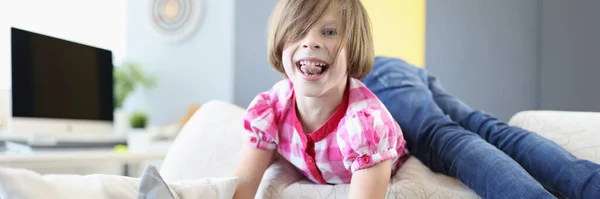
(330, 32)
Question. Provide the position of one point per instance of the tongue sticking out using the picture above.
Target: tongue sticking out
(312, 70)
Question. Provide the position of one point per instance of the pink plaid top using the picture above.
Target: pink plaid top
(360, 134)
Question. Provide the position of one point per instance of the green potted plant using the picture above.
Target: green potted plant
(128, 77)
(139, 137)
(138, 120)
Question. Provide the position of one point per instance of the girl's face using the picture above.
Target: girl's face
(309, 61)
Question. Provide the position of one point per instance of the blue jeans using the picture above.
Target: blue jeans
(492, 158)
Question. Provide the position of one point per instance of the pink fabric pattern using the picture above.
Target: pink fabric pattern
(361, 134)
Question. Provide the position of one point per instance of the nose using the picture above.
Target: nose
(311, 42)
(309, 45)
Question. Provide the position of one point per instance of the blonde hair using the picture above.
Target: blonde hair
(292, 19)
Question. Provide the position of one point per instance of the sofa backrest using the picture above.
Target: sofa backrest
(577, 132)
(209, 144)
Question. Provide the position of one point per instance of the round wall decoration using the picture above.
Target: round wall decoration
(176, 20)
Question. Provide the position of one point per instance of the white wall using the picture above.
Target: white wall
(193, 72)
(99, 23)
(190, 72)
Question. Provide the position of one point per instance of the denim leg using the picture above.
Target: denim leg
(545, 160)
(440, 143)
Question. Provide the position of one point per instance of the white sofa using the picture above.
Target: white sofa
(209, 146)
(201, 161)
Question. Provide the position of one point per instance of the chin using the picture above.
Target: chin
(308, 90)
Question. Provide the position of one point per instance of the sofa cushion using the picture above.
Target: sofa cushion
(153, 186)
(413, 180)
(26, 184)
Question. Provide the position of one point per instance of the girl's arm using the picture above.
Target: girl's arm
(371, 182)
(250, 171)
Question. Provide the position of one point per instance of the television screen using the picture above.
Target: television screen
(58, 79)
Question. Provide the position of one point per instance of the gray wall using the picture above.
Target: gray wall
(252, 71)
(570, 55)
(191, 72)
(485, 52)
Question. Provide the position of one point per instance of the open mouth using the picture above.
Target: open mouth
(312, 67)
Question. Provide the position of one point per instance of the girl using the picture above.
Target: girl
(321, 118)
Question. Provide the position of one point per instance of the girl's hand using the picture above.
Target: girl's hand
(371, 182)
(250, 171)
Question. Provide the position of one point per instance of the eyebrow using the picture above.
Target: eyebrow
(330, 22)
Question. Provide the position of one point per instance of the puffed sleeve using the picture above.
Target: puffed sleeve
(368, 138)
(260, 123)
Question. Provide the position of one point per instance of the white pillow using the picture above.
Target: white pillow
(152, 186)
(26, 184)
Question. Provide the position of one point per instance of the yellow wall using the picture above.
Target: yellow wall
(398, 28)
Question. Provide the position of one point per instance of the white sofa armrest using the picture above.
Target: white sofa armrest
(578, 132)
(209, 144)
